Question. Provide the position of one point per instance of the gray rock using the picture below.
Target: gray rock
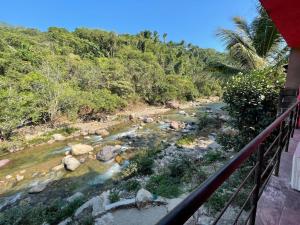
(148, 120)
(173, 105)
(80, 149)
(102, 132)
(143, 197)
(108, 153)
(58, 137)
(39, 187)
(96, 203)
(70, 163)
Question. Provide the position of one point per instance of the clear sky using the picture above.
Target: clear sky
(194, 21)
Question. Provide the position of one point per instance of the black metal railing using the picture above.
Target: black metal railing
(267, 147)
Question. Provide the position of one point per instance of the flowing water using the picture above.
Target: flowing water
(35, 164)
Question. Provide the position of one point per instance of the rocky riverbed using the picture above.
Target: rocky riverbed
(96, 163)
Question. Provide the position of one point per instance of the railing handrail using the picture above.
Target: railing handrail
(183, 211)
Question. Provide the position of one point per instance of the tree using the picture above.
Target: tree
(254, 45)
(165, 37)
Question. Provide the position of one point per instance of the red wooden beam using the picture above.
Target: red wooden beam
(286, 16)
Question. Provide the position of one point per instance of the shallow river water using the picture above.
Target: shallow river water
(35, 164)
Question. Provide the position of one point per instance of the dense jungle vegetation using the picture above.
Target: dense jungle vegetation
(85, 73)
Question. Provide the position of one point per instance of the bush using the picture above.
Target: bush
(186, 140)
(164, 185)
(114, 196)
(52, 213)
(132, 185)
(252, 101)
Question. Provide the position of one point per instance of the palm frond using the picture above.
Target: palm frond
(266, 37)
(243, 26)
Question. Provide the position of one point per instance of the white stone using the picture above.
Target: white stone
(58, 137)
(80, 149)
(295, 181)
(148, 120)
(143, 197)
(70, 163)
(19, 177)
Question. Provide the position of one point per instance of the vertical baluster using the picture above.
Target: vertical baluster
(280, 147)
(289, 130)
(258, 171)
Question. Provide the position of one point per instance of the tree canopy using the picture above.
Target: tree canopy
(84, 73)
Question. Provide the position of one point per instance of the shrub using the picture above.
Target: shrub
(114, 196)
(164, 185)
(186, 140)
(132, 185)
(252, 101)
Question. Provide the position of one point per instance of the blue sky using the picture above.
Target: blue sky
(194, 21)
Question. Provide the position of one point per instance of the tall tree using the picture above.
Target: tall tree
(254, 45)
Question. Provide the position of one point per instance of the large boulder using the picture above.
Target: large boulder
(80, 149)
(108, 153)
(70, 163)
(39, 187)
(143, 197)
(58, 137)
(174, 125)
(4, 162)
(173, 105)
(148, 120)
(102, 132)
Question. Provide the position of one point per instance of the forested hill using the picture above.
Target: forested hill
(44, 75)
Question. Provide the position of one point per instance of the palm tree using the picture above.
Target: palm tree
(254, 45)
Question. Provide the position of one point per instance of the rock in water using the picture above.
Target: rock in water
(148, 120)
(174, 125)
(80, 149)
(143, 197)
(70, 163)
(107, 153)
(39, 187)
(58, 137)
(102, 132)
(4, 162)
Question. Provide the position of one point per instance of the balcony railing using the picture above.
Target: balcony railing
(265, 152)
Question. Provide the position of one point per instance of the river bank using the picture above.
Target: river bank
(149, 149)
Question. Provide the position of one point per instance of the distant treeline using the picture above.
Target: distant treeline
(44, 75)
